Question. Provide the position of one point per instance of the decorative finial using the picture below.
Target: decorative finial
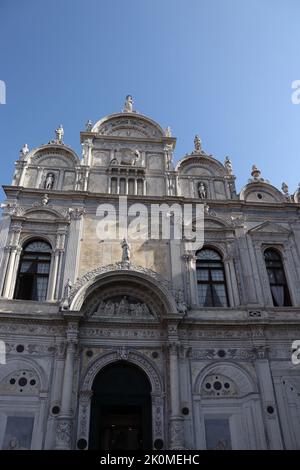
(168, 132)
(88, 125)
(285, 188)
(24, 151)
(59, 132)
(128, 104)
(125, 251)
(228, 166)
(197, 143)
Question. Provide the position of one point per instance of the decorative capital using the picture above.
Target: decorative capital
(85, 396)
(75, 213)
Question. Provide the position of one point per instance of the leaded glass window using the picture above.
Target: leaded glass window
(211, 282)
(278, 285)
(34, 269)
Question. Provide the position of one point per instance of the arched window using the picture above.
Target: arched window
(278, 285)
(33, 274)
(211, 279)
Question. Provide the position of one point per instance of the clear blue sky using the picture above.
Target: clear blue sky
(220, 68)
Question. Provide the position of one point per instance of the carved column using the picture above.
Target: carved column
(229, 284)
(4, 235)
(268, 399)
(13, 251)
(23, 167)
(176, 432)
(64, 429)
(291, 273)
(39, 177)
(247, 266)
(191, 279)
(73, 245)
(84, 418)
(53, 276)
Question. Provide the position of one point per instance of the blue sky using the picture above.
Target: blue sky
(220, 68)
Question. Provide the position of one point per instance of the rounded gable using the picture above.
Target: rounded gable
(261, 192)
(203, 165)
(56, 155)
(128, 125)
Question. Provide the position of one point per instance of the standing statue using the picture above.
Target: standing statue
(228, 166)
(49, 181)
(67, 289)
(88, 125)
(197, 143)
(125, 252)
(285, 188)
(168, 132)
(255, 173)
(24, 151)
(181, 304)
(202, 190)
(128, 104)
(59, 134)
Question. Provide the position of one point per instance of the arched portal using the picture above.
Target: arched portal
(121, 409)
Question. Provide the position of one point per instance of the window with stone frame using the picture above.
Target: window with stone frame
(33, 273)
(277, 280)
(211, 283)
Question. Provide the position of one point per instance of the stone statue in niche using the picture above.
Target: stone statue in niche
(228, 166)
(125, 251)
(49, 181)
(128, 106)
(59, 132)
(202, 193)
(181, 304)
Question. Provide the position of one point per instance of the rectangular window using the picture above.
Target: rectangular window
(217, 434)
(18, 433)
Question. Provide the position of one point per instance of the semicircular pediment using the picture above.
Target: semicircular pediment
(124, 125)
(53, 155)
(200, 165)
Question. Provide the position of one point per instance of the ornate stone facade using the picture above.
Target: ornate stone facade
(222, 372)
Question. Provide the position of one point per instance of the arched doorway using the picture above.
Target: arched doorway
(121, 409)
